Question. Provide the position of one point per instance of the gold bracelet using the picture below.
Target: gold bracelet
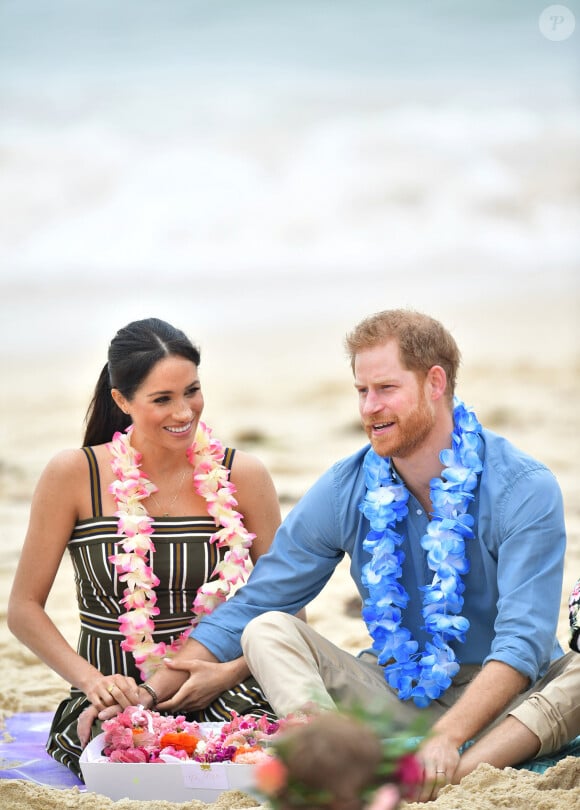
(152, 692)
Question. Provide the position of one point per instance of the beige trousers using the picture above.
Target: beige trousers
(551, 708)
(295, 666)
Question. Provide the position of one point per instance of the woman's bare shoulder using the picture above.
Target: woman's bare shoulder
(248, 465)
(66, 461)
(69, 462)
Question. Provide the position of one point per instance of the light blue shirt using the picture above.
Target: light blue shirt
(512, 591)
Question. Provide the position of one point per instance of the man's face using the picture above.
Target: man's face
(394, 410)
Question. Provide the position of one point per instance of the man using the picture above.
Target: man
(462, 607)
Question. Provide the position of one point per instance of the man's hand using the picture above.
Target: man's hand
(439, 757)
(205, 681)
(482, 701)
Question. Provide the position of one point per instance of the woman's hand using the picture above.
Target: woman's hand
(112, 693)
(141, 697)
(106, 691)
(85, 725)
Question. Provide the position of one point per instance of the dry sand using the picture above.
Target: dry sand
(297, 411)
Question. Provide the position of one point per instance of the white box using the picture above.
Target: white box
(174, 782)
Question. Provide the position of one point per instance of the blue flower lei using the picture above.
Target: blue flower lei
(421, 675)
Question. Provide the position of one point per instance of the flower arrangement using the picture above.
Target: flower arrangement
(346, 760)
(142, 735)
(353, 759)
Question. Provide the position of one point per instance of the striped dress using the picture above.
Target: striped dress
(183, 560)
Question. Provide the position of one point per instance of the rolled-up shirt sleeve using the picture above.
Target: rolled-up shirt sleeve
(530, 563)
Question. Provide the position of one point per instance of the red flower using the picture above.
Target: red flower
(408, 773)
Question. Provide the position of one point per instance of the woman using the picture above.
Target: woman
(136, 507)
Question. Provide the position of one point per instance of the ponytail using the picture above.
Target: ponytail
(104, 417)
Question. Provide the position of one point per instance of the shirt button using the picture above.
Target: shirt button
(419, 511)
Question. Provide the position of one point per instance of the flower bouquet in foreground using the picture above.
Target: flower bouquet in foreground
(352, 759)
(140, 735)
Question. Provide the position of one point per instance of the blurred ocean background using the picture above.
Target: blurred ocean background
(242, 166)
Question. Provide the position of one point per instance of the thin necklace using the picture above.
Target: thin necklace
(175, 497)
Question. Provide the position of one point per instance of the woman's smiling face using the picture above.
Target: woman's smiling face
(167, 406)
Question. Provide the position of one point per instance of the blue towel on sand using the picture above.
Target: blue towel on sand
(24, 756)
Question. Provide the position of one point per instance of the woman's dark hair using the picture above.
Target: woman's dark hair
(133, 352)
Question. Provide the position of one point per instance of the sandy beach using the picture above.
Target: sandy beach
(299, 415)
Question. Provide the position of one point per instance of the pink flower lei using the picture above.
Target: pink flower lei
(135, 527)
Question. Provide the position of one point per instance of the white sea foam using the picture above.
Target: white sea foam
(305, 163)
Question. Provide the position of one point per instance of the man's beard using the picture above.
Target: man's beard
(409, 434)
